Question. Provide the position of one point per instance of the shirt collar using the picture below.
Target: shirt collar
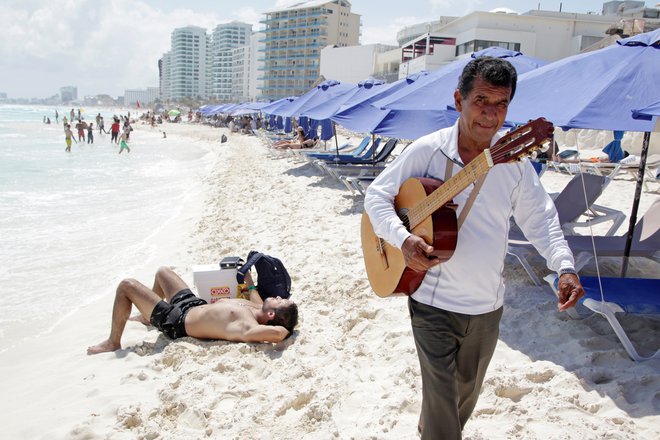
(451, 151)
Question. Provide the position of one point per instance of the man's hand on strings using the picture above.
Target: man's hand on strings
(416, 254)
(569, 291)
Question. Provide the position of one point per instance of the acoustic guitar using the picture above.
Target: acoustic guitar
(425, 206)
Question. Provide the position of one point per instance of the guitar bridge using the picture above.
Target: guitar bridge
(380, 247)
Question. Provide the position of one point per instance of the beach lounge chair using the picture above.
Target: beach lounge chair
(619, 295)
(362, 180)
(645, 242)
(651, 171)
(346, 158)
(608, 169)
(357, 151)
(576, 201)
(571, 207)
(355, 166)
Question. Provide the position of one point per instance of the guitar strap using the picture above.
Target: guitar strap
(473, 195)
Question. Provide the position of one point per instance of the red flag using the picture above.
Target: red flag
(137, 103)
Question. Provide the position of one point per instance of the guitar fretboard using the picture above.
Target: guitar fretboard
(448, 190)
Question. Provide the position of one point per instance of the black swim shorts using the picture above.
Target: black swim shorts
(169, 317)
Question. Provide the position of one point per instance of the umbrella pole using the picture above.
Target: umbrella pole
(334, 131)
(373, 152)
(635, 207)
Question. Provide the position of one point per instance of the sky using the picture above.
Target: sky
(107, 47)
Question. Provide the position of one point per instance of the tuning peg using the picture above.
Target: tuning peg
(545, 147)
(532, 154)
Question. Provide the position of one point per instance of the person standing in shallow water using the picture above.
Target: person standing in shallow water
(68, 137)
(90, 133)
(114, 131)
(123, 144)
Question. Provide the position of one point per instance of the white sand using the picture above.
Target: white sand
(350, 371)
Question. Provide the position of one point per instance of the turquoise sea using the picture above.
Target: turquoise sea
(73, 224)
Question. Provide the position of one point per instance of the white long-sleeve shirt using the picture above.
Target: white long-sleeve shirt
(471, 282)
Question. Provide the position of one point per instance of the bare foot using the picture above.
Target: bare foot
(139, 318)
(103, 347)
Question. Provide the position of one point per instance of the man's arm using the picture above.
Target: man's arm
(537, 217)
(252, 290)
(265, 333)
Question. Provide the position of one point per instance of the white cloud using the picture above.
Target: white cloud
(459, 7)
(281, 4)
(248, 15)
(386, 34)
(100, 47)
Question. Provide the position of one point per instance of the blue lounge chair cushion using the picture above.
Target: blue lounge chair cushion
(633, 295)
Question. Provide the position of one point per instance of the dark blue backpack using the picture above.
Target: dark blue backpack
(272, 277)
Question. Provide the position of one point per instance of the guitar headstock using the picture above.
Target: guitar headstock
(526, 140)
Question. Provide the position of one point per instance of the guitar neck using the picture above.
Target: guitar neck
(478, 167)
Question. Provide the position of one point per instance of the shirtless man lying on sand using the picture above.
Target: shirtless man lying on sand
(184, 314)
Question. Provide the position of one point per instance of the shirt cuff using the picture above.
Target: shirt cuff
(401, 235)
(565, 270)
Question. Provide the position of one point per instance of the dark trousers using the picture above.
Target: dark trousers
(454, 351)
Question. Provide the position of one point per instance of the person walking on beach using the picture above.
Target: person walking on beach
(68, 136)
(57, 117)
(123, 143)
(172, 308)
(455, 312)
(90, 133)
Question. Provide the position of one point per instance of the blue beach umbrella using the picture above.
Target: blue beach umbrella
(613, 149)
(323, 92)
(596, 90)
(364, 117)
(436, 91)
(329, 107)
(361, 116)
(648, 113)
(273, 106)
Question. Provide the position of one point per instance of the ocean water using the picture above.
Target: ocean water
(73, 224)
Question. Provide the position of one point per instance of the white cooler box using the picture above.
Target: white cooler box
(213, 283)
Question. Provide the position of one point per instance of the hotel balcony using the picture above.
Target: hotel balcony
(291, 15)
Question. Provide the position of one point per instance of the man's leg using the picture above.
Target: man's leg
(473, 357)
(129, 292)
(437, 334)
(167, 283)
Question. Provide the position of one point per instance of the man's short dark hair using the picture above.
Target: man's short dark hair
(495, 71)
(286, 316)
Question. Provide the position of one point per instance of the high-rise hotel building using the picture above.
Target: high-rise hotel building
(203, 66)
(184, 69)
(292, 41)
(228, 45)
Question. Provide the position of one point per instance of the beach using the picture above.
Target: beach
(350, 371)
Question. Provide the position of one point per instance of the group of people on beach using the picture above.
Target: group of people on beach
(120, 130)
(456, 310)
